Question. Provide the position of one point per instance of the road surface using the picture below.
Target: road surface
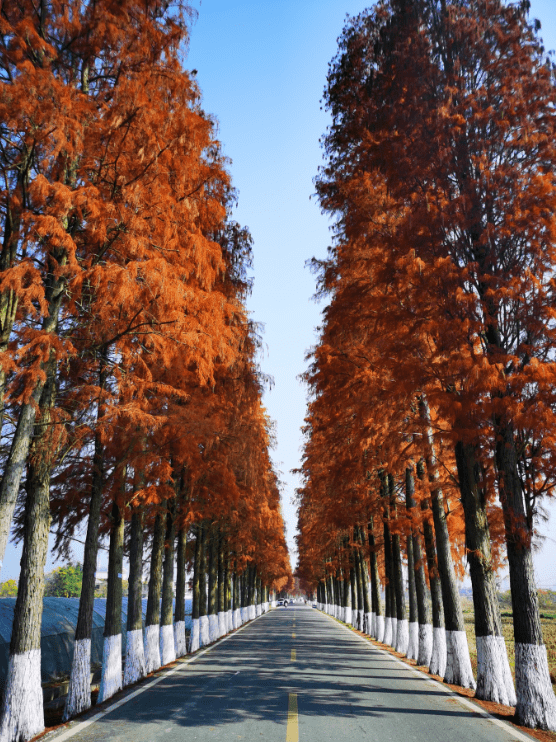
(292, 675)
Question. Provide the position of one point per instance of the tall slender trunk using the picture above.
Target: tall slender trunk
(152, 620)
(377, 630)
(213, 584)
(536, 703)
(424, 651)
(167, 645)
(221, 589)
(204, 634)
(402, 626)
(458, 663)
(134, 668)
(22, 714)
(179, 616)
(194, 637)
(390, 605)
(111, 679)
(79, 692)
(236, 615)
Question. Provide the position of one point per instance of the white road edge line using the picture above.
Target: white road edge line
(464, 702)
(80, 726)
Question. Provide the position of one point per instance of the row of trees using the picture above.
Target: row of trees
(430, 428)
(130, 397)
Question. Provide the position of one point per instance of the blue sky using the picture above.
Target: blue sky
(261, 69)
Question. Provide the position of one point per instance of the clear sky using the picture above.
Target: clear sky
(262, 68)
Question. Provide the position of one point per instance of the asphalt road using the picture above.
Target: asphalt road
(292, 675)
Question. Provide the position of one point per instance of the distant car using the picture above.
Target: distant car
(286, 603)
(279, 602)
(314, 605)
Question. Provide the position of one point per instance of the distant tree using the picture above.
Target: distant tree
(8, 589)
(64, 582)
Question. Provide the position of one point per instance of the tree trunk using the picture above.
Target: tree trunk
(424, 652)
(134, 668)
(167, 645)
(79, 692)
(179, 617)
(389, 636)
(213, 585)
(111, 679)
(152, 620)
(402, 626)
(458, 663)
(494, 679)
(536, 704)
(377, 624)
(222, 618)
(204, 634)
(236, 615)
(22, 708)
(195, 630)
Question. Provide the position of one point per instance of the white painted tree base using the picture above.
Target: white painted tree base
(194, 636)
(22, 710)
(413, 644)
(348, 616)
(236, 618)
(536, 703)
(273, 603)
(134, 666)
(229, 621)
(425, 645)
(494, 677)
(387, 638)
(204, 633)
(252, 613)
(394, 632)
(402, 636)
(258, 610)
(373, 625)
(244, 615)
(379, 629)
(458, 663)
(179, 638)
(79, 691)
(368, 623)
(222, 623)
(213, 628)
(438, 655)
(152, 647)
(167, 644)
(111, 678)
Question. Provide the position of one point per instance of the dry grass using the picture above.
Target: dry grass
(549, 635)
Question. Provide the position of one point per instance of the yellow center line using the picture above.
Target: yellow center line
(293, 635)
(293, 655)
(292, 730)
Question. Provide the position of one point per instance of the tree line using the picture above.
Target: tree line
(130, 397)
(430, 426)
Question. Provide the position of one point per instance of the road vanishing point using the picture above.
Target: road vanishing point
(292, 675)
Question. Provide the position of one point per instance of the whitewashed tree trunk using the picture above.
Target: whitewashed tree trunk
(134, 666)
(438, 656)
(258, 610)
(179, 638)
(494, 678)
(213, 628)
(236, 618)
(402, 636)
(22, 709)
(79, 692)
(373, 625)
(167, 644)
(204, 631)
(194, 637)
(111, 680)
(458, 665)
(387, 638)
(229, 621)
(348, 616)
(368, 623)
(222, 623)
(536, 703)
(425, 644)
(413, 644)
(380, 629)
(152, 648)
(244, 614)
(252, 612)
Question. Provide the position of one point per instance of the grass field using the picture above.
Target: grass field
(549, 634)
